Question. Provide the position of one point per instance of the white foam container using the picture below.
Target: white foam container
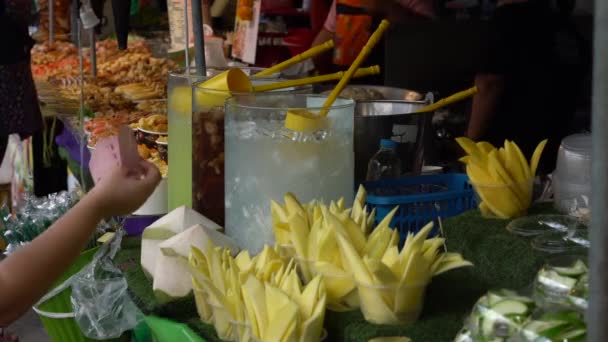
(157, 203)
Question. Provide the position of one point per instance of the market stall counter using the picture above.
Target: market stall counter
(501, 259)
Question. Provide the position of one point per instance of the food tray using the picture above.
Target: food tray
(421, 199)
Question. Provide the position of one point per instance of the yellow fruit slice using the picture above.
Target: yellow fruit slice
(465, 159)
(299, 234)
(254, 298)
(338, 282)
(536, 156)
(444, 267)
(353, 260)
(503, 175)
(524, 162)
(382, 273)
(282, 313)
(293, 206)
(312, 328)
(485, 210)
(469, 147)
(485, 147)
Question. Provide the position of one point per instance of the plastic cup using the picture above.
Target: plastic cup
(221, 323)
(203, 308)
(242, 331)
(553, 295)
(340, 287)
(391, 304)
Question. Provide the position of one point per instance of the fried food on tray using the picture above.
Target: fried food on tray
(100, 135)
(136, 67)
(154, 123)
(362, 94)
(114, 119)
(52, 52)
(153, 156)
(155, 106)
(142, 90)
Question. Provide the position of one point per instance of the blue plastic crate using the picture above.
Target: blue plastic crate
(417, 197)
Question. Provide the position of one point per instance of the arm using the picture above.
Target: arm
(485, 102)
(29, 272)
(323, 61)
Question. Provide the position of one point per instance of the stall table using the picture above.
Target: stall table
(502, 260)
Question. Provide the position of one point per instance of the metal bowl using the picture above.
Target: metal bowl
(387, 93)
(397, 120)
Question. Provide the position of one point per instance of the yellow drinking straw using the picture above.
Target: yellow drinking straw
(312, 52)
(302, 121)
(361, 72)
(459, 96)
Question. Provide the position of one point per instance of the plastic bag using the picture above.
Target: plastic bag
(499, 314)
(34, 217)
(506, 316)
(102, 306)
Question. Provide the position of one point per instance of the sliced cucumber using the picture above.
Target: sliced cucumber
(562, 316)
(493, 298)
(509, 306)
(526, 300)
(464, 335)
(553, 280)
(555, 331)
(486, 326)
(538, 326)
(531, 331)
(575, 270)
(574, 335)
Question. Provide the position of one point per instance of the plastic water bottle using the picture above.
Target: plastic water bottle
(385, 163)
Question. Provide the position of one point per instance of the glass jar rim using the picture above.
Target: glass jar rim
(232, 102)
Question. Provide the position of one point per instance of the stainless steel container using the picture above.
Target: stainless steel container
(375, 120)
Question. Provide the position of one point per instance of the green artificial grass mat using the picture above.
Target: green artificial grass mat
(502, 260)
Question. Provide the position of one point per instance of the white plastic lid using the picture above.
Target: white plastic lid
(578, 143)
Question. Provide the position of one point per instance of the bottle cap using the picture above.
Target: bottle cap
(388, 143)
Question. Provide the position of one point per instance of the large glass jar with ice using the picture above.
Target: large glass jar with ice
(208, 145)
(264, 160)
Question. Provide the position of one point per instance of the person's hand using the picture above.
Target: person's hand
(124, 191)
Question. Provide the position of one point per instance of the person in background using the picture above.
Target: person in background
(350, 23)
(527, 89)
(19, 111)
(27, 274)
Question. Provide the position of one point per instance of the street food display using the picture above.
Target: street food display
(129, 89)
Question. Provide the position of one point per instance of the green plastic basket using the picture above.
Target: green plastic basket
(57, 314)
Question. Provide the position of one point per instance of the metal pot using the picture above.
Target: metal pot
(375, 120)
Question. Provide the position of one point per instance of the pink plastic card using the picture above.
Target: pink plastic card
(105, 158)
(129, 156)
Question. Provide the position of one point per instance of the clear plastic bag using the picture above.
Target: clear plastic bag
(506, 316)
(34, 217)
(499, 315)
(102, 306)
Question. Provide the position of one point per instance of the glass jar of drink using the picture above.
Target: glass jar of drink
(264, 160)
(208, 146)
(179, 112)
